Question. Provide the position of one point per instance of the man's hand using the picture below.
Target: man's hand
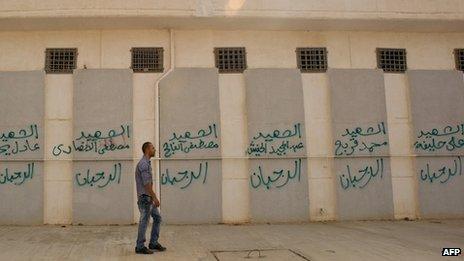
(156, 202)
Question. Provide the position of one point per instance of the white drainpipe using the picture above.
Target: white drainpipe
(157, 109)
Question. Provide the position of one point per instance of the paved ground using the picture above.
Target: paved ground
(367, 240)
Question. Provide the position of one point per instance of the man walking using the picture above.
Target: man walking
(147, 202)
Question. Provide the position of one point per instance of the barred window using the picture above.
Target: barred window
(147, 59)
(391, 60)
(60, 60)
(459, 58)
(312, 59)
(230, 59)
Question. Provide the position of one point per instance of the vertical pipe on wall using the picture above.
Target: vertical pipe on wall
(157, 110)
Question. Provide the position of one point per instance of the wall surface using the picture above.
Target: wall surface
(21, 147)
(437, 108)
(190, 144)
(427, 97)
(419, 15)
(277, 149)
(102, 146)
(361, 147)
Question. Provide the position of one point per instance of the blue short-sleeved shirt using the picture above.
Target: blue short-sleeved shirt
(143, 175)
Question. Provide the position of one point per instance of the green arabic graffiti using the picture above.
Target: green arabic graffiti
(188, 142)
(100, 178)
(279, 178)
(450, 138)
(96, 143)
(348, 180)
(444, 173)
(187, 176)
(276, 142)
(17, 177)
(14, 142)
(353, 141)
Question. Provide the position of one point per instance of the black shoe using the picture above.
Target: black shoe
(158, 247)
(144, 251)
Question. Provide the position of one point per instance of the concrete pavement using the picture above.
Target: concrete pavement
(362, 240)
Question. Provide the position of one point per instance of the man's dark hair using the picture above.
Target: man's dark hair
(145, 146)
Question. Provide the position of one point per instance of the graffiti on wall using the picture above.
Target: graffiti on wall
(443, 139)
(361, 177)
(17, 141)
(356, 140)
(15, 176)
(276, 142)
(443, 174)
(185, 177)
(189, 141)
(279, 177)
(98, 142)
(99, 178)
(448, 138)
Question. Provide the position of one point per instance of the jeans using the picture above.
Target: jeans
(147, 209)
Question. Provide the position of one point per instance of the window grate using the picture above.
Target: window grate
(60, 60)
(147, 59)
(459, 58)
(311, 59)
(230, 59)
(391, 60)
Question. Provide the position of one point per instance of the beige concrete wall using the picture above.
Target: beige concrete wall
(22, 50)
(235, 184)
(59, 177)
(321, 180)
(391, 15)
(244, 7)
(97, 49)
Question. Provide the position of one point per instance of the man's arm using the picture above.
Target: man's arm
(149, 190)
